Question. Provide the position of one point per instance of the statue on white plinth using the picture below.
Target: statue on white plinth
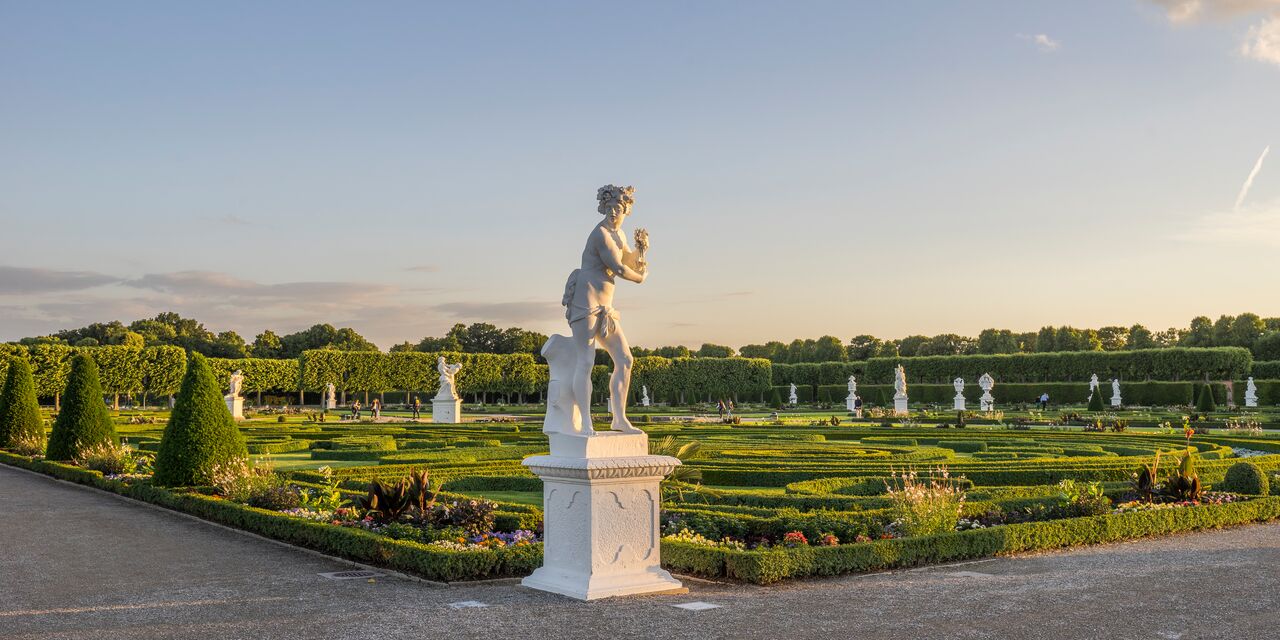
(644, 395)
(795, 399)
(235, 404)
(987, 402)
(236, 384)
(588, 302)
(448, 375)
(330, 396)
(1250, 393)
(1093, 383)
(851, 399)
(899, 382)
(1115, 392)
(958, 401)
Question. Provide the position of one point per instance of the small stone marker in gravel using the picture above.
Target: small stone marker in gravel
(696, 606)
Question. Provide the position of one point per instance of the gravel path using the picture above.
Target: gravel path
(78, 563)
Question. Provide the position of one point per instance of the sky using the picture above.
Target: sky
(803, 168)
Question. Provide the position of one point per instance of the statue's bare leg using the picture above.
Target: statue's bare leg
(585, 352)
(620, 381)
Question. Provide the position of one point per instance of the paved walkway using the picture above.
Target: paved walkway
(76, 563)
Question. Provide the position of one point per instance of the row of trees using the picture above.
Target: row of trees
(1261, 336)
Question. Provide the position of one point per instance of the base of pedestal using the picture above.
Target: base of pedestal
(587, 587)
(1252, 404)
(446, 411)
(958, 404)
(601, 535)
(1115, 402)
(900, 405)
(236, 406)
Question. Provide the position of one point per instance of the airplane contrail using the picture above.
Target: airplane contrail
(1244, 189)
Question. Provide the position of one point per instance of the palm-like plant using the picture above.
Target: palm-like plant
(684, 476)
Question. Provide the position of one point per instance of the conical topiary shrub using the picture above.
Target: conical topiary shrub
(83, 421)
(1205, 403)
(1095, 399)
(775, 400)
(20, 419)
(200, 433)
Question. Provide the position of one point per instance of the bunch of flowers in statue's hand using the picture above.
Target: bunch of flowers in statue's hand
(642, 240)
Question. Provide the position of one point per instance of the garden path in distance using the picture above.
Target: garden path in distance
(79, 563)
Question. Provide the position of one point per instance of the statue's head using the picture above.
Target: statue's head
(615, 202)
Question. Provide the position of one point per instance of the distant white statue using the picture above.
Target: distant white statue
(958, 401)
(1115, 392)
(987, 402)
(1093, 383)
(900, 391)
(851, 400)
(1250, 393)
(448, 379)
(644, 395)
(794, 399)
(588, 302)
(235, 404)
(330, 396)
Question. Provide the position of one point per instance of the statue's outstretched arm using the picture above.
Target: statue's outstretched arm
(612, 256)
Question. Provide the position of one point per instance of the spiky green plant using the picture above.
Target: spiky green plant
(683, 477)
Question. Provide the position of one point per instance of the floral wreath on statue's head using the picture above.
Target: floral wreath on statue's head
(609, 194)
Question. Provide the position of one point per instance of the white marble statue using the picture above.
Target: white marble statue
(601, 490)
(448, 379)
(1093, 383)
(958, 401)
(236, 384)
(1115, 392)
(987, 402)
(588, 302)
(644, 395)
(330, 396)
(794, 399)
(850, 401)
(900, 391)
(1250, 393)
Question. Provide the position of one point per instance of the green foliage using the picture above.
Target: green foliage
(201, 432)
(1245, 477)
(1184, 484)
(1205, 402)
(20, 419)
(84, 421)
(1095, 399)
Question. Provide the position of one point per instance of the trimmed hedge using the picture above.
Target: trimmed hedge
(1246, 478)
(84, 420)
(201, 432)
(19, 411)
(1176, 363)
(772, 565)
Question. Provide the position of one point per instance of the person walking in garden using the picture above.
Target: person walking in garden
(730, 409)
(355, 410)
(857, 406)
(377, 408)
(417, 408)
(720, 409)
(1044, 401)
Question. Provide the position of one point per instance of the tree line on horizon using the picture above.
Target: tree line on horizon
(1249, 330)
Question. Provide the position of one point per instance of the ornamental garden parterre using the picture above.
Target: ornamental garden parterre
(763, 495)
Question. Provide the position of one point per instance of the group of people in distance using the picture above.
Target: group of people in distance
(375, 408)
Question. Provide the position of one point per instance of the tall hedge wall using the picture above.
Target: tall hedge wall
(1269, 369)
(1172, 364)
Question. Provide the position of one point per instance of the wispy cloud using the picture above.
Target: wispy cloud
(514, 312)
(1253, 225)
(1190, 11)
(27, 280)
(1262, 43)
(1042, 42)
(423, 268)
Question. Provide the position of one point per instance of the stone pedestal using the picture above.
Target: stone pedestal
(601, 498)
(1115, 401)
(987, 402)
(446, 410)
(235, 404)
(958, 403)
(1250, 401)
(899, 405)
